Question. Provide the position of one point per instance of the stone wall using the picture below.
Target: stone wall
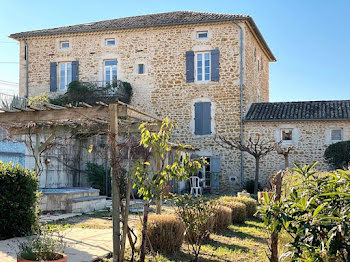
(310, 139)
(163, 89)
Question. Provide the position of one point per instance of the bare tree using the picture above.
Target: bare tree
(258, 148)
(285, 151)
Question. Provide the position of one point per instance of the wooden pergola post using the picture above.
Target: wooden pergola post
(115, 177)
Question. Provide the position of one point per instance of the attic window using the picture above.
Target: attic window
(64, 44)
(287, 134)
(110, 41)
(336, 134)
(202, 34)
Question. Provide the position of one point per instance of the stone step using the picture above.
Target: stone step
(86, 204)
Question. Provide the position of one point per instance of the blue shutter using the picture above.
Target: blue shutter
(198, 118)
(53, 77)
(214, 170)
(75, 71)
(206, 118)
(189, 66)
(215, 57)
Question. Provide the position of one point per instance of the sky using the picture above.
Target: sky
(310, 39)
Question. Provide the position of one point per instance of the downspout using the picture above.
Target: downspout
(27, 64)
(241, 98)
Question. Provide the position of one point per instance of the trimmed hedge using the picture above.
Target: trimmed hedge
(251, 204)
(222, 218)
(165, 232)
(239, 211)
(18, 201)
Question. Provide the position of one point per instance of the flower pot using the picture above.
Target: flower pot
(62, 259)
(261, 196)
(243, 194)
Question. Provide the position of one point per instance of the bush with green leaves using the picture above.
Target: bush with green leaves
(97, 177)
(249, 186)
(47, 245)
(18, 201)
(197, 214)
(338, 155)
(316, 214)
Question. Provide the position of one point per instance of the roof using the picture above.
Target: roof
(144, 21)
(299, 111)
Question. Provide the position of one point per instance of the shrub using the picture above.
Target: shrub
(197, 215)
(251, 204)
(165, 232)
(249, 186)
(18, 201)
(338, 155)
(96, 175)
(239, 211)
(222, 218)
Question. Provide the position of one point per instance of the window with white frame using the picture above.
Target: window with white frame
(110, 71)
(202, 34)
(140, 69)
(110, 41)
(203, 66)
(64, 44)
(336, 134)
(65, 75)
(287, 134)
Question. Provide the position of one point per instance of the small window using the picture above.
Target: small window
(203, 67)
(287, 134)
(140, 69)
(203, 34)
(65, 45)
(110, 41)
(336, 134)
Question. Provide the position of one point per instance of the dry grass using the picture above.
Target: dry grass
(166, 233)
(251, 204)
(222, 218)
(239, 211)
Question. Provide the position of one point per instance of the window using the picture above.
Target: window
(287, 134)
(110, 71)
(110, 41)
(203, 66)
(203, 34)
(140, 69)
(64, 45)
(65, 75)
(336, 134)
(202, 118)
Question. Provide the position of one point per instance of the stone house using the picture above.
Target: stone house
(206, 71)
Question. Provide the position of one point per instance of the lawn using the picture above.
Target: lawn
(243, 242)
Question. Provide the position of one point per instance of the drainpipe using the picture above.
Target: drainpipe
(27, 63)
(241, 98)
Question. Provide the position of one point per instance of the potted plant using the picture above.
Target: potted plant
(47, 246)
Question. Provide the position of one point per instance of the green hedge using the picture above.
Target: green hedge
(18, 201)
(338, 155)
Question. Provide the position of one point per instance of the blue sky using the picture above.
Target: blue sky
(310, 39)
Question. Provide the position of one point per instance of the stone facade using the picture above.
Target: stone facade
(163, 89)
(310, 139)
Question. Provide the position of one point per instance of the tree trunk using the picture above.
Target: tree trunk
(144, 233)
(286, 161)
(274, 234)
(159, 206)
(256, 181)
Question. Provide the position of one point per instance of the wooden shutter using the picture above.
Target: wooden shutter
(189, 66)
(215, 57)
(53, 77)
(214, 170)
(202, 118)
(198, 118)
(75, 71)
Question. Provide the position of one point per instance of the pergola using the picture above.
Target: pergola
(114, 119)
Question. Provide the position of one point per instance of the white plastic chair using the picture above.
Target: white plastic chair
(194, 184)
